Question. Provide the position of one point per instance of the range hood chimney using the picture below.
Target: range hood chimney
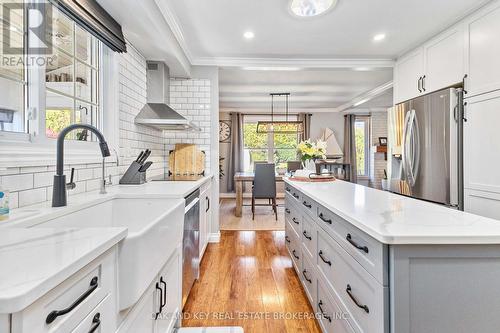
(157, 113)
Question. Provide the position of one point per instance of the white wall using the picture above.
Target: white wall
(332, 120)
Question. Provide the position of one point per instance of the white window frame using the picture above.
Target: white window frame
(249, 118)
(34, 148)
(367, 121)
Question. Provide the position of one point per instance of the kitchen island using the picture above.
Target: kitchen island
(373, 261)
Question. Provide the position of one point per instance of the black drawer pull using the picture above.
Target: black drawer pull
(353, 243)
(287, 239)
(322, 217)
(349, 292)
(208, 204)
(295, 195)
(287, 210)
(305, 276)
(306, 204)
(288, 189)
(323, 258)
(323, 312)
(306, 235)
(161, 300)
(295, 221)
(96, 322)
(295, 254)
(94, 283)
(164, 292)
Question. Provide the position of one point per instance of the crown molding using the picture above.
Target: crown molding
(365, 97)
(302, 63)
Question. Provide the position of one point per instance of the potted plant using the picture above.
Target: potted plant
(309, 152)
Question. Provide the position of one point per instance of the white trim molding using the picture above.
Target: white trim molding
(214, 237)
(303, 63)
(365, 97)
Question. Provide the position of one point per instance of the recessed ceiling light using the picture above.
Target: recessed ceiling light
(308, 8)
(249, 35)
(379, 37)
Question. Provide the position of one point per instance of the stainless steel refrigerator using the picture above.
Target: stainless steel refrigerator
(431, 160)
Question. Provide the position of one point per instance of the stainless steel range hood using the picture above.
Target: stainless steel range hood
(157, 113)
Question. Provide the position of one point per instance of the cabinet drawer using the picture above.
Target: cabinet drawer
(102, 318)
(331, 318)
(293, 216)
(309, 237)
(369, 252)
(308, 205)
(361, 294)
(90, 285)
(293, 193)
(309, 280)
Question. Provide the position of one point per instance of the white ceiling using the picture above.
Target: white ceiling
(214, 29)
(312, 90)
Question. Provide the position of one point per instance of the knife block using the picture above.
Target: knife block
(133, 176)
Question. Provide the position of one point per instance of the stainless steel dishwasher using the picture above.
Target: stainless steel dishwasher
(190, 244)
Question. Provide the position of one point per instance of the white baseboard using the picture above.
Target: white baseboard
(214, 237)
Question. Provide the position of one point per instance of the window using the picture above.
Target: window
(12, 74)
(362, 135)
(72, 79)
(267, 147)
(62, 85)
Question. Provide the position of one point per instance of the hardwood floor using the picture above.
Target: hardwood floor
(264, 217)
(248, 280)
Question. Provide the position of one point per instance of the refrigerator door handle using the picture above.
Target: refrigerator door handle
(410, 147)
(416, 149)
(404, 155)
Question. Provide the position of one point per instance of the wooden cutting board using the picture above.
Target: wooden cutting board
(186, 159)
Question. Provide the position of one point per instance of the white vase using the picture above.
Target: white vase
(309, 165)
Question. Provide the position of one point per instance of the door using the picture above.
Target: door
(408, 70)
(482, 143)
(444, 60)
(484, 50)
(427, 146)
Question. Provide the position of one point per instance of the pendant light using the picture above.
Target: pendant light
(280, 127)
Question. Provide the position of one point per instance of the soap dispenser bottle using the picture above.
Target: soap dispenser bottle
(4, 203)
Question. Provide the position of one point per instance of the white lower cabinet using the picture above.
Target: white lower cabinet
(205, 215)
(332, 318)
(101, 319)
(68, 305)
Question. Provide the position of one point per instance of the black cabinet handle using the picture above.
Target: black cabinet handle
(287, 239)
(306, 204)
(323, 312)
(306, 235)
(288, 189)
(164, 292)
(353, 243)
(295, 221)
(208, 204)
(287, 210)
(323, 258)
(349, 292)
(94, 283)
(423, 83)
(322, 217)
(419, 84)
(295, 195)
(295, 254)
(96, 322)
(305, 276)
(161, 300)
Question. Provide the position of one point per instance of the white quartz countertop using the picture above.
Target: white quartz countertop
(395, 219)
(35, 260)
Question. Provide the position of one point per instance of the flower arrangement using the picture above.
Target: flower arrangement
(309, 150)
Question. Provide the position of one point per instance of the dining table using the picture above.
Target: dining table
(239, 179)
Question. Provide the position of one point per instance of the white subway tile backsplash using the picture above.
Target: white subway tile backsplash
(33, 196)
(17, 182)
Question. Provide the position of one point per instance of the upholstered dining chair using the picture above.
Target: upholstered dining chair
(264, 186)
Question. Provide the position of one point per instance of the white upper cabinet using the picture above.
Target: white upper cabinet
(438, 64)
(408, 75)
(444, 58)
(484, 51)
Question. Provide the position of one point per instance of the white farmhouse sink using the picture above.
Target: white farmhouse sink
(155, 228)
